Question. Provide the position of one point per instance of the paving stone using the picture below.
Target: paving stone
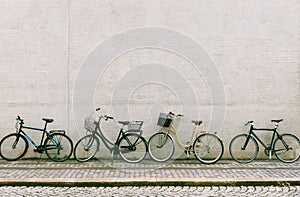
(176, 170)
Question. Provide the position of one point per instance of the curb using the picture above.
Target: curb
(118, 182)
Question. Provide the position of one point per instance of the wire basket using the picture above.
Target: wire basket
(135, 125)
(90, 123)
(164, 120)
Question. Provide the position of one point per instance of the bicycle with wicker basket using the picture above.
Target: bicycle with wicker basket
(208, 148)
(130, 144)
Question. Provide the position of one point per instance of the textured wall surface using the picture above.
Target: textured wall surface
(254, 46)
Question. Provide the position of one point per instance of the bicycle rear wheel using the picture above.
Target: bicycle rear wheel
(208, 148)
(287, 149)
(13, 147)
(86, 148)
(58, 147)
(161, 147)
(242, 152)
(133, 148)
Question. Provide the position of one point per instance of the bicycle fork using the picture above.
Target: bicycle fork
(246, 142)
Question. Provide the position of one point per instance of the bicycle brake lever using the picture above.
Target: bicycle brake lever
(109, 117)
(106, 117)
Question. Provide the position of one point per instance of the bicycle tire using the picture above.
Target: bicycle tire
(208, 148)
(293, 153)
(86, 148)
(13, 147)
(58, 147)
(133, 148)
(243, 156)
(161, 147)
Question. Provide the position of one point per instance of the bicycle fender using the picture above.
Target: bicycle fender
(57, 131)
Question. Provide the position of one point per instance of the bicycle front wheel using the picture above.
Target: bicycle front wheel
(86, 148)
(161, 147)
(287, 148)
(58, 147)
(13, 147)
(133, 148)
(243, 148)
(208, 148)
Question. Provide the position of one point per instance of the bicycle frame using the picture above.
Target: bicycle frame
(269, 148)
(112, 147)
(31, 140)
(171, 130)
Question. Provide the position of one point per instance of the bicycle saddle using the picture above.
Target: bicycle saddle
(123, 122)
(277, 121)
(48, 120)
(197, 122)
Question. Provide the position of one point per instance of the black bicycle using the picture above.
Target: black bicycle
(244, 148)
(57, 145)
(130, 144)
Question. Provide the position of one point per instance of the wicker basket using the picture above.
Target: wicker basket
(164, 120)
(90, 124)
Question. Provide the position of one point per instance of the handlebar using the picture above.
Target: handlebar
(19, 119)
(171, 113)
(249, 122)
(177, 115)
(106, 117)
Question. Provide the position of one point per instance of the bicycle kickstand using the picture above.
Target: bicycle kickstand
(40, 157)
(113, 157)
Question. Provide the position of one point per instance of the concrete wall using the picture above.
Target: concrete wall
(253, 46)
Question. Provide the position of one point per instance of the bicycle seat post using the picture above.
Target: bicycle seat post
(45, 127)
(277, 122)
(197, 124)
(47, 120)
(123, 123)
(122, 126)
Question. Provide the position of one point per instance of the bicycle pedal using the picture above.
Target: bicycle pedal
(37, 151)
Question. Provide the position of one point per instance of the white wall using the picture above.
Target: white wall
(253, 45)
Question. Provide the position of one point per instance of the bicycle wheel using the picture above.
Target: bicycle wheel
(13, 147)
(208, 148)
(58, 147)
(240, 153)
(287, 149)
(161, 147)
(133, 148)
(86, 148)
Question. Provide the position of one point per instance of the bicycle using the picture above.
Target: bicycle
(57, 145)
(130, 144)
(208, 148)
(244, 148)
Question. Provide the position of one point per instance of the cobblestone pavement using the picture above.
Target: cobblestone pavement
(179, 169)
(152, 191)
(188, 170)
